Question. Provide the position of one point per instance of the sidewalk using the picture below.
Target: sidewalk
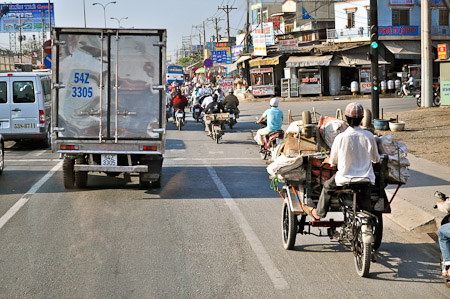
(412, 207)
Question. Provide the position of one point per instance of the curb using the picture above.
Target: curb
(410, 217)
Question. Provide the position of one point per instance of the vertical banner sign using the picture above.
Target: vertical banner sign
(442, 51)
(267, 31)
(31, 14)
(259, 44)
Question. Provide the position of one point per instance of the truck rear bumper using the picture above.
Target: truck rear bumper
(104, 168)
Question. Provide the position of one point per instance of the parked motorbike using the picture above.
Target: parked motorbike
(179, 118)
(271, 141)
(233, 115)
(436, 98)
(445, 220)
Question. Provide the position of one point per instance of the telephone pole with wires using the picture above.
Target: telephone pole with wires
(227, 9)
(216, 26)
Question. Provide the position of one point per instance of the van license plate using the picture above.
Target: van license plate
(109, 160)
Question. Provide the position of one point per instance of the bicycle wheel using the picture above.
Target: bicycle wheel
(289, 224)
(362, 254)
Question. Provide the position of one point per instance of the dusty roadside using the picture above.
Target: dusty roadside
(426, 134)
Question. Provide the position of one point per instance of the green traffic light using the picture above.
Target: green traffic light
(375, 88)
(374, 45)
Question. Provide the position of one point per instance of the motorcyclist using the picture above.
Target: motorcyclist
(207, 99)
(231, 102)
(353, 151)
(444, 236)
(409, 85)
(212, 108)
(179, 102)
(220, 94)
(274, 118)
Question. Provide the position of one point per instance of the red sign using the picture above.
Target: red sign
(208, 62)
(442, 51)
(48, 47)
(275, 21)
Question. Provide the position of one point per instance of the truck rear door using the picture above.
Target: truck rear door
(108, 78)
(5, 106)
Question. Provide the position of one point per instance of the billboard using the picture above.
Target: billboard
(31, 17)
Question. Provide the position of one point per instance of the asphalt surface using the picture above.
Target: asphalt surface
(213, 230)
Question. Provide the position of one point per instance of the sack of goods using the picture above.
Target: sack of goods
(398, 163)
(286, 168)
(330, 127)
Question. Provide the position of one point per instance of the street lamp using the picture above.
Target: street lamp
(104, 8)
(118, 20)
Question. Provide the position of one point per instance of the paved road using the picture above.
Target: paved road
(212, 231)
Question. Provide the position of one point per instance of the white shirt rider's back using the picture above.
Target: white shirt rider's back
(353, 152)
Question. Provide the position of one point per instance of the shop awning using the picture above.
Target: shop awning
(355, 59)
(404, 49)
(232, 67)
(306, 61)
(242, 59)
(265, 61)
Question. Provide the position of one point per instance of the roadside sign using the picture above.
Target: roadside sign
(48, 47)
(208, 62)
(442, 51)
(48, 61)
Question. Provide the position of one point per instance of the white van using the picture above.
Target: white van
(25, 106)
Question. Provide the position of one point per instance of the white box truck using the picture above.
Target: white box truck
(108, 103)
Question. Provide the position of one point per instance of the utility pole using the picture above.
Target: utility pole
(216, 26)
(427, 64)
(375, 96)
(204, 36)
(227, 9)
(20, 38)
(247, 25)
(49, 18)
(43, 35)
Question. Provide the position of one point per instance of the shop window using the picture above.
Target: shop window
(262, 79)
(400, 17)
(351, 19)
(288, 28)
(443, 17)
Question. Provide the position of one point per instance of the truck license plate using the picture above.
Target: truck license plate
(109, 160)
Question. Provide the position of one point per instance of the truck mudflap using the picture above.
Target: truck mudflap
(154, 170)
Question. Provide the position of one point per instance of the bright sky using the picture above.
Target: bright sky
(177, 16)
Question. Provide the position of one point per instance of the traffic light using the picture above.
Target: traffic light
(374, 37)
(4, 10)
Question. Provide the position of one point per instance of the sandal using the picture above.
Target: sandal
(308, 210)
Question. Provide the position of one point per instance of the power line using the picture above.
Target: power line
(227, 9)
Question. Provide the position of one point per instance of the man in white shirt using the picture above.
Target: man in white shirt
(353, 152)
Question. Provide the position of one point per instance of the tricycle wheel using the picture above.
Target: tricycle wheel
(378, 231)
(362, 253)
(289, 225)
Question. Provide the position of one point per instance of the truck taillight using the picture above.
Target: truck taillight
(41, 117)
(149, 148)
(68, 147)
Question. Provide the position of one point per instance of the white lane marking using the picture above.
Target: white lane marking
(26, 197)
(208, 159)
(41, 153)
(274, 274)
(216, 153)
(35, 153)
(32, 160)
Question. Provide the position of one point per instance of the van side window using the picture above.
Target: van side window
(46, 87)
(3, 92)
(23, 92)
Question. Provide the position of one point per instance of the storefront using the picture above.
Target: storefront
(265, 75)
(262, 81)
(310, 72)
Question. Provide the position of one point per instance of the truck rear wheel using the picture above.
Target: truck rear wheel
(68, 173)
(81, 177)
(143, 184)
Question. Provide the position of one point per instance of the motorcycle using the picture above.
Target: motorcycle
(197, 111)
(436, 98)
(271, 141)
(179, 118)
(217, 125)
(443, 197)
(400, 92)
(233, 115)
